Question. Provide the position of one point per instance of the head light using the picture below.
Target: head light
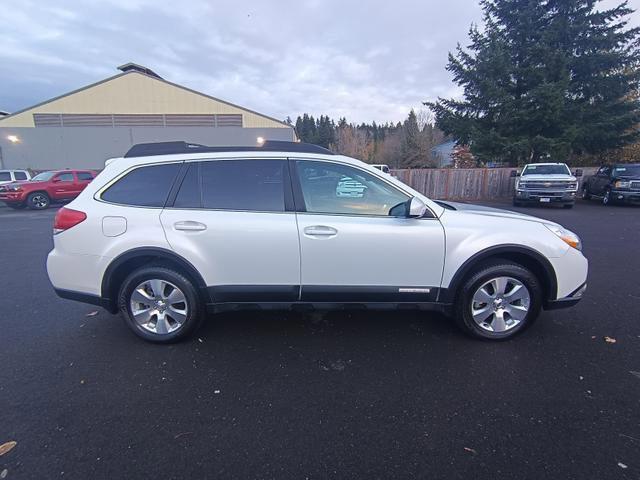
(622, 184)
(567, 236)
(15, 188)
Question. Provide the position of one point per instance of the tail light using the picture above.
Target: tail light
(67, 218)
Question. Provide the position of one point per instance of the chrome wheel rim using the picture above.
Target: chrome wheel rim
(158, 306)
(605, 199)
(39, 201)
(500, 304)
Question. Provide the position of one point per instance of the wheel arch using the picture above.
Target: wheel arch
(123, 264)
(525, 256)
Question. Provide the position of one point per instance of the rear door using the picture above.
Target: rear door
(83, 179)
(233, 220)
(357, 244)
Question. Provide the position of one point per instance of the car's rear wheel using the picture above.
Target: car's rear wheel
(160, 304)
(38, 201)
(498, 300)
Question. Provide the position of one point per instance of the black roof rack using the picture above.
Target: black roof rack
(170, 148)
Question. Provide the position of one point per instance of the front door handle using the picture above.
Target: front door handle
(320, 231)
(190, 226)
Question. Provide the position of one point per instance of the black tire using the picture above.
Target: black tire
(567, 205)
(606, 198)
(16, 206)
(484, 273)
(193, 304)
(38, 201)
(516, 203)
(585, 193)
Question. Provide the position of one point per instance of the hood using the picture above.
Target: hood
(493, 212)
(548, 178)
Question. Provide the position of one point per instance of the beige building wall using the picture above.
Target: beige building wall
(137, 93)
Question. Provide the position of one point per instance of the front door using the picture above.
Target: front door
(234, 221)
(356, 243)
(64, 186)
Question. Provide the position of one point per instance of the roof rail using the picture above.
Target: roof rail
(170, 148)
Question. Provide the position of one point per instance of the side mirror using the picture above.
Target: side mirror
(578, 172)
(417, 208)
(513, 173)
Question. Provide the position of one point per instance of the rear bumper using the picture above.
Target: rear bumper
(85, 298)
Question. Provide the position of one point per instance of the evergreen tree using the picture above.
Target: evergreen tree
(545, 78)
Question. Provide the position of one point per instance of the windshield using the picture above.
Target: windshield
(560, 169)
(627, 170)
(43, 177)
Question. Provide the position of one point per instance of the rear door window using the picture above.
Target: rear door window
(84, 176)
(5, 176)
(20, 175)
(251, 185)
(145, 186)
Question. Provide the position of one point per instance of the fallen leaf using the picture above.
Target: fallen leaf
(200, 340)
(3, 473)
(216, 391)
(7, 447)
(182, 435)
(471, 450)
(622, 465)
(92, 314)
(610, 340)
(635, 374)
(82, 382)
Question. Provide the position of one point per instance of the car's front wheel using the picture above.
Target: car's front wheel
(606, 199)
(160, 304)
(38, 201)
(498, 300)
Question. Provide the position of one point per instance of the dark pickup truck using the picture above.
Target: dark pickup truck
(614, 184)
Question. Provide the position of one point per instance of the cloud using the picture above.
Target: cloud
(366, 61)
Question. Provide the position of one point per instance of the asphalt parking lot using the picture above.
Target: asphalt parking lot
(342, 395)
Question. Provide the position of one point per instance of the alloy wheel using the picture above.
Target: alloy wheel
(158, 306)
(500, 304)
(39, 201)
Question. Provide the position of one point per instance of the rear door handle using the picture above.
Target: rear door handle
(320, 231)
(190, 226)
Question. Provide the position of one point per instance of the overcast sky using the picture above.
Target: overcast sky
(365, 60)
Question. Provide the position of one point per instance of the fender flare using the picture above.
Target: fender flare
(156, 252)
(448, 294)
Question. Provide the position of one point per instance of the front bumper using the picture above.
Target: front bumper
(568, 301)
(541, 196)
(12, 197)
(625, 196)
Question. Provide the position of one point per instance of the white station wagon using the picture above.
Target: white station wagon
(174, 230)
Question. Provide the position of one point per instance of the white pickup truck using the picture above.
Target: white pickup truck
(543, 183)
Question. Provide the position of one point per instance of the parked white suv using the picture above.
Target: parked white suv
(173, 230)
(10, 176)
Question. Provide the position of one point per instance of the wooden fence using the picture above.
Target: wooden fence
(465, 183)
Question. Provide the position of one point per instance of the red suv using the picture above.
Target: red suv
(46, 187)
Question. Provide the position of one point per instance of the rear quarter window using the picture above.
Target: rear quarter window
(20, 175)
(144, 187)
